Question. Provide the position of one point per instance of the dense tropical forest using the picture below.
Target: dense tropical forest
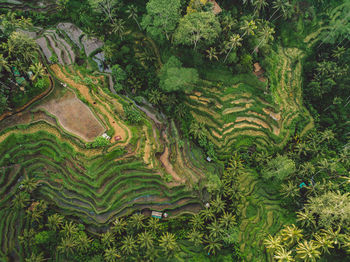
(174, 130)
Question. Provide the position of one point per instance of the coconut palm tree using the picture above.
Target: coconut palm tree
(248, 27)
(128, 245)
(132, 14)
(283, 255)
(55, 222)
(212, 245)
(136, 221)
(227, 220)
(196, 221)
(306, 218)
(21, 200)
(197, 130)
(37, 69)
(4, 65)
(291, 234)
(153, 224)
(272, 243)
(111, 254)
(308, 251)
(168, 243)
(233, 42)
(215, 229)
(22, 47)
(259, 5)
(218, 205)
(325, 242)
(337, 53)
(289, 190)
(69, 229)
(29, 184)
(35, 258)
(146, 239)
(119, 226)
(83, 242)
(207, 214)
(68, 245)
(27, 238)
(212, 53)
(196, 237)
(107, 239)
(281, 5)
(336, 236)
(119, 28)
(155, 96)
(265, 34)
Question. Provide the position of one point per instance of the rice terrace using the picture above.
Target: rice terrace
(168, 130)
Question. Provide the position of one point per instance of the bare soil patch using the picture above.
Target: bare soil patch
(74, 116)
(253, 120)
(233, 110)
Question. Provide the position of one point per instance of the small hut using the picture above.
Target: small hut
(157, 214)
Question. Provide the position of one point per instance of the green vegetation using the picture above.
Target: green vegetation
(174, 130)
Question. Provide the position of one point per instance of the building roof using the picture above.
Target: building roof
(217, 9)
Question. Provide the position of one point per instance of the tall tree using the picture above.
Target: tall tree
(128, 245)
(55, 222)
(132, 14)
(136, 221)
(213, 245)
(282, 6)
(212, 53)
(168, 243)
(233, 42)
(146, 239)
(197, 27)
(106, 7)
(111, 254)
(69, 229)
(21, 200)
(37, 69)
(161, 18)
(291, 234)
(119, 28)
(22, 47)
(67, 246)
(308, 251)
(119, 226)
(196, 237)
(107, 239)
(35, 258)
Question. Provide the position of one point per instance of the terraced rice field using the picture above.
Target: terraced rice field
(47, 141)
(261, 215)
(246, 112)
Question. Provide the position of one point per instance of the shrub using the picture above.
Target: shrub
(98, 142)
(132, 114)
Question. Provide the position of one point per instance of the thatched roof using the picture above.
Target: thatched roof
(217, 9)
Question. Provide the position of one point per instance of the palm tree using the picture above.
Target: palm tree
(259, 5)
(4, 64)
(107, 239)
(146, 239)
(69, 229)
(212, 245)
(207, 214)
(308, 251)
(218, 205)
(68, 245)
(196, 237)
(234, 42)
(168, 243)
(37, 69)
(337, 53)
(55, 222)
(266, 34)
(27, 238)
(306, 218)
(197, 221)
(153, 224)
(83, 242)
(227, 220)
(21, 200)
(272, 243)
(291, 234)
(248, 27)
(197, 130)
(132, 14)
(35, 213)
(111, 254)
(119, 225)
(128, 245)
(289, 190)
(35, 258)
(119, 28)
(283, 255)
(325, 242)
(281, 5)
(336, 236)
(212, 53)
(136, 221)
(29, 184)
(155, 96)
(215, 229)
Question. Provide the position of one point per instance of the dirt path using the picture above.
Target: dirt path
(147, 151)
(118, 127)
